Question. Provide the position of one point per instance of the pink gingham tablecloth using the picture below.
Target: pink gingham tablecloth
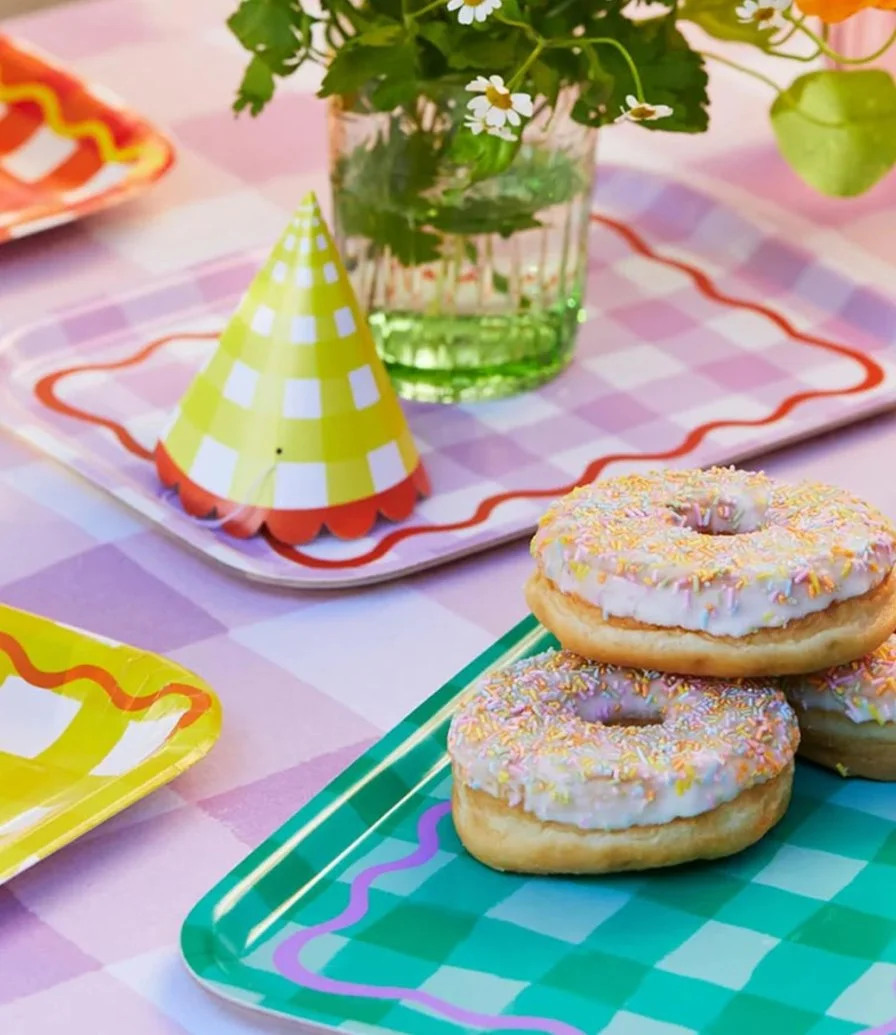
(88, 938)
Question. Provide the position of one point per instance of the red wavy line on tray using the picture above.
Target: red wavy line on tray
(200, 700)
(45, 390)
(874, 375)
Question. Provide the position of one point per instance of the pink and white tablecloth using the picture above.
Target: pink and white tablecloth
(88, 939)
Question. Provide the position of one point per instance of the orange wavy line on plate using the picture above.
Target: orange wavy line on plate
(874, 375)
(91, 129)
(200, 700)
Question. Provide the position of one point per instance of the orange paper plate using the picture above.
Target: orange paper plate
(66, 152)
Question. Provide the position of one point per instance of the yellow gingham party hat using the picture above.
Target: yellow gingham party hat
(293, 423)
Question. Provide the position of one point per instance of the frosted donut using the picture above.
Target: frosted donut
(720, 572)
(847, 714)
(561, 765)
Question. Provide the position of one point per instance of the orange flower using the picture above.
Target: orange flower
(831, 11)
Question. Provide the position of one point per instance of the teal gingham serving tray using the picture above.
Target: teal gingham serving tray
(364, 914)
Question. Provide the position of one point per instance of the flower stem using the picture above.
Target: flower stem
(743, 68)
(527, 29)
(609, 42)
(841, 59)
(429, 7)
(795, 27)
(796, 57)
(527, 64)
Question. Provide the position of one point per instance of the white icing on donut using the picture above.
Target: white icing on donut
(538, 734)
(722, 551)
(863, 691)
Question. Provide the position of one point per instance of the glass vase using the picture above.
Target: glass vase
(473, 280)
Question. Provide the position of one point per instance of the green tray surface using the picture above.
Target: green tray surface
(364, 914)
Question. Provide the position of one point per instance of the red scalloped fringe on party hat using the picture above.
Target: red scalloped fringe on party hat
(295, 527)
(293, 425)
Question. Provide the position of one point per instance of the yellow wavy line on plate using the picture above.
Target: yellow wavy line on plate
(98, 131)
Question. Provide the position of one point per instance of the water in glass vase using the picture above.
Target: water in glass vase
(474, 291)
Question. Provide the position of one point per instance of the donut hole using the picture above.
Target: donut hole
(720, 515)
(632, 720)
(634, 711)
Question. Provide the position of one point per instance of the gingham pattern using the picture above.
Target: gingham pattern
(50, 175)
(293, 409)
(792, 935)
(657, 360)
(88, 938)
(72, 753)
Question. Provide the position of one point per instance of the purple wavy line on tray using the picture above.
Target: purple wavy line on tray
(287, 962)
(286, 956)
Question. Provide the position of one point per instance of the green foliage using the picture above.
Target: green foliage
(670, 71)
(484, 156)
(837, 129)
(418, 182)
(672, 74)
(391, 191)
(358, 65)
(718, 18)
(394, 54)
(278, 35)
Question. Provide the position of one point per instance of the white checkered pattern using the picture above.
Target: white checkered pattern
(32, 719)
(293, 720)
(241, 383)
(302, 398)
(304, 330)
(263, 320)
(300, 486)
(214, 466)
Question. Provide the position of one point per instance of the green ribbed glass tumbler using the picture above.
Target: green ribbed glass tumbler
(473, 292)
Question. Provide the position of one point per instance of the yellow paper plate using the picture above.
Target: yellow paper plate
(87, 727)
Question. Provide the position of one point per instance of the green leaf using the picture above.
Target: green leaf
(511, 9)
(499, 215)
(837, 129)
(393, 173)
(409, 244)
(256, 89)
(394, 93)
(439, 35)
(718, 18)
(483, 156)
(265, 25)
(670, 71)
(487, 51)
(381, 35)
(593, 104)
(545, 81)
(390, 8)
(502, 284)
(355, 65)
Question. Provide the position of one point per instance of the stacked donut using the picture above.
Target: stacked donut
(691, 607)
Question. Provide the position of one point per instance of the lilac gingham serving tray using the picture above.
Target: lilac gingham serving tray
(707, 341)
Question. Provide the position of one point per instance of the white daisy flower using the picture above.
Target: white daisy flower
(640, 111)
(497, 106)
(503, 133)
(469, 11)
(476, 124)
(764, 13)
